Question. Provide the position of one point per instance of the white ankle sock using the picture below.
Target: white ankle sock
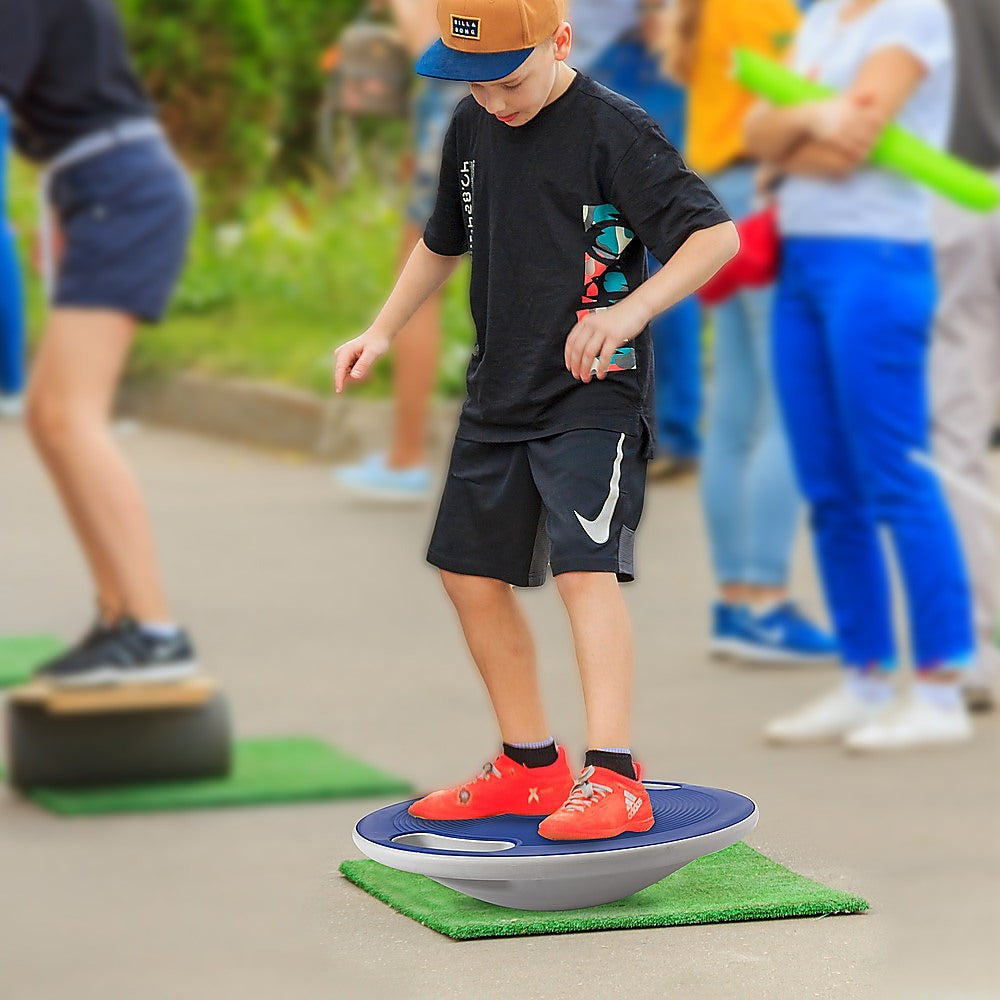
(159, 630)
(944, 695)
(876, 689)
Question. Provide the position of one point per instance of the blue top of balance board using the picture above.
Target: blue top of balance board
(680, 812)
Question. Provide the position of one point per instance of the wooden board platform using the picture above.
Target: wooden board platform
(115, 698)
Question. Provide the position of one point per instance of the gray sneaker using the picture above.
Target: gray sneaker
(122, 654)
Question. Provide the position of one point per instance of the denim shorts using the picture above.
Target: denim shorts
(126, 216)
(433, 105)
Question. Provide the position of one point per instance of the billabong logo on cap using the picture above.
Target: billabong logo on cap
(465, 27)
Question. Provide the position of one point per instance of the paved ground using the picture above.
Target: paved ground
(319, 616)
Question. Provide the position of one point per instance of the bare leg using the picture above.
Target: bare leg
(602, 635)
(501, 645)
(752, 593)
(416, 353)
(72, 386)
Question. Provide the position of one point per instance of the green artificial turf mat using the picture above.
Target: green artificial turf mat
(735, 884)
(20, 654)
(272, 770)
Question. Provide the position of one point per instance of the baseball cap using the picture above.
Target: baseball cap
(484, 40)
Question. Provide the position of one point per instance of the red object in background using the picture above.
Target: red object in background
(755, 265)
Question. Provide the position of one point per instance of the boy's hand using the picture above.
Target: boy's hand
(357, 356)
(598, 335)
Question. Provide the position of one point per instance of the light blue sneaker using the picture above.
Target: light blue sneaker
(371, 477)
(784, 634)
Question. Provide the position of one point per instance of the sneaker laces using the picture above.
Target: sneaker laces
(585, 792)
(490, 770)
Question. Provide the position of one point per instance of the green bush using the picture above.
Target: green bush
(237, 82)
(308, 27)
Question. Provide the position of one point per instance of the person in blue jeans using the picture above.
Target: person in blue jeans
(631, 67)
(11, 295)
(750, 499)
(855, 304)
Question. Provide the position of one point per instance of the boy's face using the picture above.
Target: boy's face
(517, 98)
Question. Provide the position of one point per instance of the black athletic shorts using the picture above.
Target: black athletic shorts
(510, 509)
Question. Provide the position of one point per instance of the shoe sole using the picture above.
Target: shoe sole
(383, 496)
(115, 676)
(861, 749)
(734, 649)
(605, 835)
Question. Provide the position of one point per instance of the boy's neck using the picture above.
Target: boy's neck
(565, 75)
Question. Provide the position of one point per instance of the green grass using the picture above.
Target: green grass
(268, 296)
(733, 885)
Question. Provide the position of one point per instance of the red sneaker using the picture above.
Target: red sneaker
(602, 804)
(503, 788)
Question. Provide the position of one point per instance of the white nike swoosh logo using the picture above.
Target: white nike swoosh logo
(772, 635)
(599, 529)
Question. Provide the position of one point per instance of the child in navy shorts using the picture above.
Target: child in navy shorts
(556, 186)
(118, 212)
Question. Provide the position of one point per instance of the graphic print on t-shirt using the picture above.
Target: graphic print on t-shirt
(604, 280)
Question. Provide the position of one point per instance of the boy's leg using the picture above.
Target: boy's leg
(74, 376)
(602, 637)
(488, 538)
(504, 652)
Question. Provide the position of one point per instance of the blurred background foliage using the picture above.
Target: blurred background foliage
(237, 83)
(284, 264)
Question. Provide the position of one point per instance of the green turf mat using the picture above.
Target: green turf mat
(273, 770)
(20, 654)
(735, 884)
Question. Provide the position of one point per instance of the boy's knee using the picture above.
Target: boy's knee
(463, 589)
(573, 586)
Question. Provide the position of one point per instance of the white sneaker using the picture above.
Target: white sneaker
(828, 718)
(911, 723)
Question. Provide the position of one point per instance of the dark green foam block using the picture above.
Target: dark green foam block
(20, 654)
(735, 884)
(271, 770)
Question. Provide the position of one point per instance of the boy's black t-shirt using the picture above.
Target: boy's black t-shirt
(557, 215)
(65, 69)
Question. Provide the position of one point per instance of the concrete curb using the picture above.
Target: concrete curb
(271, 416)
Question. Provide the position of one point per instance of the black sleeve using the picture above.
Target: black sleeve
(20, 45)
(663, 201)
(445, 233)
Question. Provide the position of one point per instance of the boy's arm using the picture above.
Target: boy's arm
(423, 274)
(601, 333)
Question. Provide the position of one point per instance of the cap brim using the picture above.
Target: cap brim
(442, 63)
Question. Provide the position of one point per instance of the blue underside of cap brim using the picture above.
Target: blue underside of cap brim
(443, 63)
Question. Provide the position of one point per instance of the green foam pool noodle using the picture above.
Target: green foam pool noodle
(896, 148)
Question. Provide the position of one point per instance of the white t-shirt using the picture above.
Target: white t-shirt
(873, 201)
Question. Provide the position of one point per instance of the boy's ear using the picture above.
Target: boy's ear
(562, 41)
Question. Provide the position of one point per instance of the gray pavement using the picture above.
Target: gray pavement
(319, 616)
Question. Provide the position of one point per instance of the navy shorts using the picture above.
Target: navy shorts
(126, 216)
(512, 509)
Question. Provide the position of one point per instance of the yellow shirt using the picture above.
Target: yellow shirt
(717, 104)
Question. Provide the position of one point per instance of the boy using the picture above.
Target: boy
(554, 185)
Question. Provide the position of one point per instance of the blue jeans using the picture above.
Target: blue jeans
(851, 337)
(677, 356)
(11, 294)
(749, 494)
